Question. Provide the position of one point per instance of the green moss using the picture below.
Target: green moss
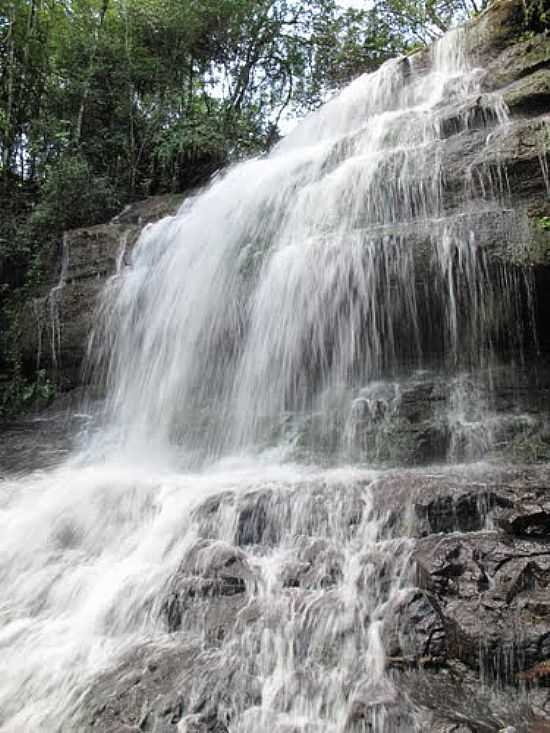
(537, 15)
(531, 448)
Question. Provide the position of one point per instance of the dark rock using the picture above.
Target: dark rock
(209, 587)
(150, 209)
(144, 693)
(530, 95)
(318, 566)
(495, 29)
(253, 527)
(480, 612)
(518, 60)
(450, 499)
(415, 632)
(529, 517)
(457, 701)
(483, 585)
(516, 152)
(58, 319)
(198, 723)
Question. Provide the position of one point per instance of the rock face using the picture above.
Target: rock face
(466, 630)
(57, 323)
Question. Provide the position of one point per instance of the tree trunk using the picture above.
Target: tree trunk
(90, 73)
(8, 141)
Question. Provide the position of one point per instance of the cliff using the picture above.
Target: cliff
(57, 320)
(513, 55)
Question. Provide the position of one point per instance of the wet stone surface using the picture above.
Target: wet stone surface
(465, 633)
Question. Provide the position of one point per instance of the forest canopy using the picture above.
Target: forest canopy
(141, 96)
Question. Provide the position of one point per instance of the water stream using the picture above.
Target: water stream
(262, 355)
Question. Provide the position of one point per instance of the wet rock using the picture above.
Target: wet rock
(495, 29)
(210, 586)
(253, 527)
(518, 60)
(202, 724)
(144, 693)
(483, 585)
(179, 684)
(150, 209)
(517, 152)
(480, 611)
(366, 715)
(264, 518)
(56, 324)
(414, 632)
(530, 95)
(318, 565)
(457, 701)
(218, 510)
(441, 500)
(38, 442)
(530, 516)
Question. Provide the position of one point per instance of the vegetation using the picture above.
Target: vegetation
(152, 95)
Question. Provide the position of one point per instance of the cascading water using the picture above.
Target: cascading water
(296, 280)
(279, 321)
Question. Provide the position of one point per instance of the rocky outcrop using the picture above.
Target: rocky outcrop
(57, 322)
(510, 44)
(470, 625)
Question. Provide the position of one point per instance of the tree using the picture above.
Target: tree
(425, 20)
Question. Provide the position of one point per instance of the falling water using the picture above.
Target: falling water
(298, 279)
(259, 355)
(46, 312)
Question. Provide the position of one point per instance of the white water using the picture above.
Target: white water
(292, 282)
(286, 292)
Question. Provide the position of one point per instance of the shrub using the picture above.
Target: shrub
(72, 196)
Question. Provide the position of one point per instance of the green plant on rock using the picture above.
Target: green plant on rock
(531, 448)
(21, 394)
(72, 196)
(41, 390)
(537, 15)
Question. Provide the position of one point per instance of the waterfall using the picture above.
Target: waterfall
(296, 280)
(222, 526)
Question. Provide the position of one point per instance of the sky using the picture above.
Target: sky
(358, 4)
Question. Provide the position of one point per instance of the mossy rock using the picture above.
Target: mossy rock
(529, 95)
(531, 449)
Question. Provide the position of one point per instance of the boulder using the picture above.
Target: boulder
(488, 589)
(210, 586)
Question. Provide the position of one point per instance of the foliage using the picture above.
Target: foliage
(537, 15)
(422, 21)
(141, 89)
(72, 196)
(21, 394)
